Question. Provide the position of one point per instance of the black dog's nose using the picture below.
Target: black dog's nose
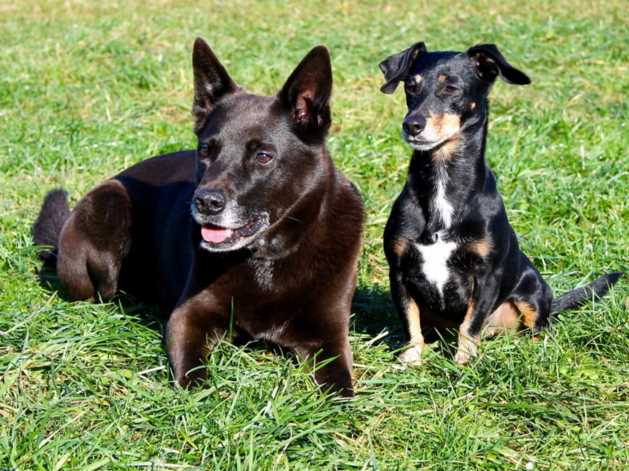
(413, 126)
(209, 201)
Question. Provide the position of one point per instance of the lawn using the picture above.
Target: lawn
(89, 88)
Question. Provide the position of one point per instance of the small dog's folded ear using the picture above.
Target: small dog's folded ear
(396, 67)
(306, 94)
(490, 63)
(211, 82)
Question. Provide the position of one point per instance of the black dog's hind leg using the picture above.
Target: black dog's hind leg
(93, 242)
(409, 313)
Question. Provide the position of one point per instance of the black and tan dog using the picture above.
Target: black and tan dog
(256, 227)
(454, 259)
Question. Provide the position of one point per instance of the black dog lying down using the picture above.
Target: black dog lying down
(454, 259)
(257, 224)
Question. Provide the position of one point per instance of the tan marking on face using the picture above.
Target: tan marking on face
(506, 318)
(446, 150)
(529, 314)
(399, 247)
(481, 247)
(468, 343)
(442, 77)
(442, 126)
(473, 106)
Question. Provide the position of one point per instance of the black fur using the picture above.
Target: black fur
(47, 227)
(579, 296)
(255, 231)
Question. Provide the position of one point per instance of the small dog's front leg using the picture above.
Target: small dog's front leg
(192, 330)
(478, 309)
(409, 312)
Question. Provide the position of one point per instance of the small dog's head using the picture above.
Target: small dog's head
(446, 92)
(256, 154)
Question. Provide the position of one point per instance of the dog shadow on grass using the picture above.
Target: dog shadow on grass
(374, 315)
(145, 314)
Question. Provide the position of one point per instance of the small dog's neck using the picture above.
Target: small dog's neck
(444, 178)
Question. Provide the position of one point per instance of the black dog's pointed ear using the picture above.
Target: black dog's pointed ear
(490, 63)
(396, 67)
(211, 82)
(306, 93)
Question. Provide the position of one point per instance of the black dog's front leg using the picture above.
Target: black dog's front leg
(335, 374)
(192, 330)
(480, 305)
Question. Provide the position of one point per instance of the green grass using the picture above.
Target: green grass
(88, 88)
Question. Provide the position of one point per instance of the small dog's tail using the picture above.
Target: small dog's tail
(47, 227)
(575, 298)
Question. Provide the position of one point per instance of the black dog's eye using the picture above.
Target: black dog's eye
(204, 149)
(263, 157)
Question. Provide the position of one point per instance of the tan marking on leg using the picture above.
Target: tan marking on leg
(468, 345)
(481, 247)
(399, 247)
(529, 314)
(504, 319)
(413, 355)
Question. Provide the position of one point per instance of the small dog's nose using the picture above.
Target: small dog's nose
(413, 126)
(209, 201)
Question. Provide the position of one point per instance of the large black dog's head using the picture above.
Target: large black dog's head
(446, 92)
(256, 154)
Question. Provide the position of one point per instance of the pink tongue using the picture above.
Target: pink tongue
(215, 234)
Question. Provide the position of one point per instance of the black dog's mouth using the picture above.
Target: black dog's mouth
(221, 239)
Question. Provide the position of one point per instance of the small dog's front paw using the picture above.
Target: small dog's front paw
(462, 358)
(412, 356)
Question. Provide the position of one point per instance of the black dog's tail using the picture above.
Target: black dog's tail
(47, 227)
(575, 298)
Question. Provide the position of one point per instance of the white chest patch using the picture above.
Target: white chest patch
(263, 273)
(435, 265)
(441, 204)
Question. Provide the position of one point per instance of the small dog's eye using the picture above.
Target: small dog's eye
(411, 87)
(263, 157)
(451, 89)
